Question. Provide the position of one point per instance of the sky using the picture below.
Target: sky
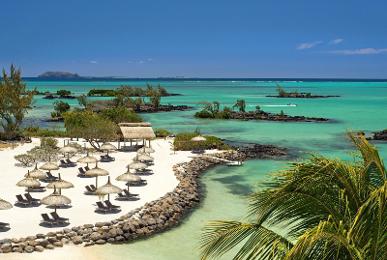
(196, 38)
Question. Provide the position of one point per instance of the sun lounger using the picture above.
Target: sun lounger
(30, 198)
(70, 163)
(63, 164)
(87, 168)
(93, 187)
(3, 225)
(22, 202)
(36, 189)
(128, 194)
(102, 208)
(89, 190)
(107, 158)
(47, 221)
(110, 205)
(57, 218)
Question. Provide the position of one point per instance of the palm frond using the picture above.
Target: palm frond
(220, 237)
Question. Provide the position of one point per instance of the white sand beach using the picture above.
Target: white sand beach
(25, 221)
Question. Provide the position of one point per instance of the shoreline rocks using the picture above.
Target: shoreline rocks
(302, 95)
(379, 136)
(154, 217)
(261, 115)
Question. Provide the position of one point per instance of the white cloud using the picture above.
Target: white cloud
(363, 51)
(94, 62)
(336, 41)
(308, 45)
(149, 59)
(141, 62)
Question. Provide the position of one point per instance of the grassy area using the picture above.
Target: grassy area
(183, 142)
(43, 132)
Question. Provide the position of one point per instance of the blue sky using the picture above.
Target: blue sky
(213, 38)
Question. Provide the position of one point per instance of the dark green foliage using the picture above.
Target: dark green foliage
(160, 132)
(120, 115)
(320, 208)
(15, 101)
(60, 107)
(43, 132)
(183, 142)
(90, 126)
(63, 93)
(240, 104)
(128, 91)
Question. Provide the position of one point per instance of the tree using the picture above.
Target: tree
(155, 99)
(60, 107)
(83, 101)
(15, 101)
(281, 91)
(332, 209)
(240, 104)
(63, 93)
(92, 127)
(25, 159)
(120, 115)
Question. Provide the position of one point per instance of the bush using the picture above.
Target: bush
(63, 93)
(204, 114)
(183, 143)
(35, 131)
(120, 114)
(25, 159)
(162, 132)
(61, 107)
(49, 142)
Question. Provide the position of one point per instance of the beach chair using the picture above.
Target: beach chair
(51, 177)
(101, 207)
(4, 225)
(36, 189)
(93, 187)
(129, 195)
(57, 218)
(71, 163)
(21, 201)
(30, 198)
(87, 168)
(47, 220)
(110, 205)
(63, 164)
(89, 191)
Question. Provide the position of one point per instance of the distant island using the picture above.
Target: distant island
(295, 94)
(59, 75)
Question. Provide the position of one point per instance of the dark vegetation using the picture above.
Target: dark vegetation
(295, 94)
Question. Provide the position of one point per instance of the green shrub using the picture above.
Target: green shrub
(204, 114)
(25, 159)
(34, 131)
(162, 132)
(120, 114)
(183, 142)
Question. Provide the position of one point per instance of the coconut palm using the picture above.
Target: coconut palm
(325, 209)
(240, 104)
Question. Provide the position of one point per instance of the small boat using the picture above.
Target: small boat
(234, 163)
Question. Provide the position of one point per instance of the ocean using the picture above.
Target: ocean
(361, 106)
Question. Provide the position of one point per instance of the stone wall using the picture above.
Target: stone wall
(153, 217)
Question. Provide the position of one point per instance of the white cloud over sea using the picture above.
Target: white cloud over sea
(308, 45)
(362, 51)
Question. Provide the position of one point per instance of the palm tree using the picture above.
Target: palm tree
(332, 209)
(240, 104)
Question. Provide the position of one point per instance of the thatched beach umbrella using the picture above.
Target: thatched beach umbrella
(108, 147)
(198, 138)
(55, 199)
(60, 184)
(128, 177)
(36, 173)
(137, 166)
(108, 189)
(88, 159)
(49, 166)
(144, 157)
(146, 150)
(28, 182)
(68, 150)
(5, 204)
(95, 172)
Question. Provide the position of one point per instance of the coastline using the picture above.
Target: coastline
(151, 218)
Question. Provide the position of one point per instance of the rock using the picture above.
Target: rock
(77, 240)
(29, 249)
(95, 236)
(58, 244)
(100, 241)
(17, 249)
(50, 246)
(6, 248)
(120, 239)
(39, 248)
(42, 242)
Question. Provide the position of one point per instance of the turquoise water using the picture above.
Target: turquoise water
(362, 106)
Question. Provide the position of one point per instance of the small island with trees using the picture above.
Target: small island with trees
(238, 112)
(295, 94)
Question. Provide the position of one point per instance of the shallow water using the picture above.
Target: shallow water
(362, 106)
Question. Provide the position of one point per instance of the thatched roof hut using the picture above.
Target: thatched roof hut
(137, 131)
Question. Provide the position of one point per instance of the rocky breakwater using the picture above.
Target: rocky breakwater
(153, 217)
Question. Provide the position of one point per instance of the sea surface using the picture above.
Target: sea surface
(362, 105)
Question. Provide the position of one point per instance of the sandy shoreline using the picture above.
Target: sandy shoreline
(25, 221)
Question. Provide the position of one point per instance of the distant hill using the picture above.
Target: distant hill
(59, 75)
